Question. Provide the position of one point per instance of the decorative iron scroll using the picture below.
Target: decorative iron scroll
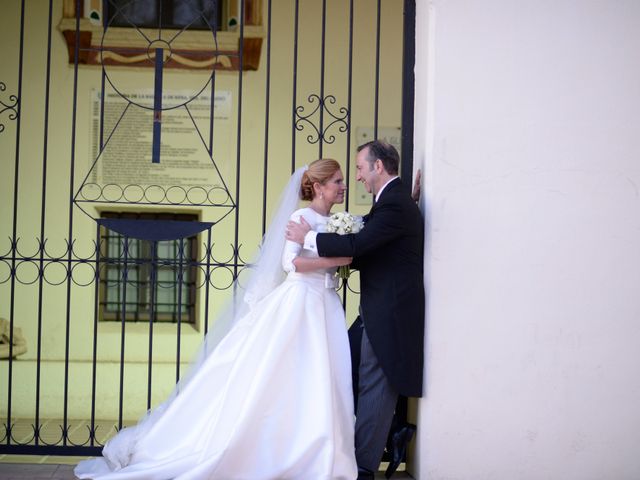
(11, 107)
(81, 267)
(174, 195)
(339, 120)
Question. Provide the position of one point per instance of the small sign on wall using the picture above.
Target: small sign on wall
(390, 135)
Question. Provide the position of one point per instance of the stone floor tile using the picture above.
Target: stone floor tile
(39, 471)
(22, 459)
(27, 470)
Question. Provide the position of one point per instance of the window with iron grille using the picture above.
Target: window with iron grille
(172, 14)
(153, 291)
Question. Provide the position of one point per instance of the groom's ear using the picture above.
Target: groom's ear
(378, 166)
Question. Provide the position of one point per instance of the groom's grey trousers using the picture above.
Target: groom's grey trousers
(376, 404)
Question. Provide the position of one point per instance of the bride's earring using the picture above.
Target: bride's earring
(321, 194)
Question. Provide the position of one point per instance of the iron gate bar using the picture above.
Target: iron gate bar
(103, 76)
(125, 278)
(376, 105)
(94, 358)
(157, 106)
(179, 332)
(408, 89)
(212, 110)
(152, 315)
(65, 423)
(322, 59)
(14, 240)
(295, 87)
(266, 123)
(174, 291)
(349, 96)
(238, 145)
(207, 276)
(348, 151)
(42, 225)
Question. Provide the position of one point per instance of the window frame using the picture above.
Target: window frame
(195, 43)
(166, 9)
(109, 263)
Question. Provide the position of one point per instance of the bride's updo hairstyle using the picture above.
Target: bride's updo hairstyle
(319, 171)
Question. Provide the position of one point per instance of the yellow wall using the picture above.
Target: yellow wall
(251, 176)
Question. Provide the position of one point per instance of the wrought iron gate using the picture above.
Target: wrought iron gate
(117, 248)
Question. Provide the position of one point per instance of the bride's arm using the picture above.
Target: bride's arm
(292, 262)
(306, 264)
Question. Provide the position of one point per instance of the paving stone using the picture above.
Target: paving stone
(30, 471)
(27, 470)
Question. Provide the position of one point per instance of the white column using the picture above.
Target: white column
(528, 133)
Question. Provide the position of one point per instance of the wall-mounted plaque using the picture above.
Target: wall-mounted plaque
(127, 153)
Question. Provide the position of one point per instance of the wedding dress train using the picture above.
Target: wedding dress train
(272, 401)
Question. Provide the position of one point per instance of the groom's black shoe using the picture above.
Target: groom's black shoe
(365, 474)
(399, 441)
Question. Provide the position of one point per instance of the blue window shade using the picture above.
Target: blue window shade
(154, 230)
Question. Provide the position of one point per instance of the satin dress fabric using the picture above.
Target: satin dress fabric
(272, 401)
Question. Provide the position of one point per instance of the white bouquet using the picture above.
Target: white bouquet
(343, 223)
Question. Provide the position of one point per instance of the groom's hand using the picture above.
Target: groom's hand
(297, 231)
(415, 194)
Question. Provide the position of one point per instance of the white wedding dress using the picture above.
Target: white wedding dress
(272, 401)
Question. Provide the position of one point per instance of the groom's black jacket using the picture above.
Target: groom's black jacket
(389, 254)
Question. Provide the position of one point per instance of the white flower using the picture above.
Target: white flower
(343, 223)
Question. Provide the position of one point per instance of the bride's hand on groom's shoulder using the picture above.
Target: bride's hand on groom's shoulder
(296, 231)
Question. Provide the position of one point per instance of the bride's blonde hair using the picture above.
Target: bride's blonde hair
(319, 171)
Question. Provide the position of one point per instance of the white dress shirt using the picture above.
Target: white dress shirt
(384, 186)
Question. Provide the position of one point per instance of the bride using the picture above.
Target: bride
(269, 395)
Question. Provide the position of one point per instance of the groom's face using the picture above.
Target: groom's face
(365, 172)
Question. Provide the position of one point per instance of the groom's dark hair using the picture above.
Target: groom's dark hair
(384, 151)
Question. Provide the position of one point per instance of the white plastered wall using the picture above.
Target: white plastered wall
(528, 133)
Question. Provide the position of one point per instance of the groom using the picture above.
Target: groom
(389, 254)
